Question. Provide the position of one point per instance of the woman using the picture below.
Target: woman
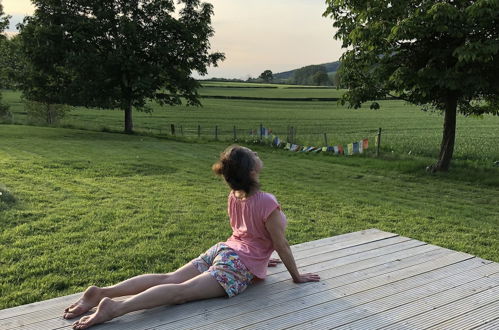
(226, 269)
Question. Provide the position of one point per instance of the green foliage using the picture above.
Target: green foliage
(320, 78)
(12, 63)
(267, 76)
(4, 21)
(5, 114)
(311, 75)
(444, 54)
(45, 113)
(424, 51)
(118, 56)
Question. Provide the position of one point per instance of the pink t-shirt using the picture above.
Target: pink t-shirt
(250, 239)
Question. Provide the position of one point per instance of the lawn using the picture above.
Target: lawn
(406, 129)
(81, 207)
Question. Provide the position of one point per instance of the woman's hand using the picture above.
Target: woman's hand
(274, 262)
(308, 277)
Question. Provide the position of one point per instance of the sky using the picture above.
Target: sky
(255, 35)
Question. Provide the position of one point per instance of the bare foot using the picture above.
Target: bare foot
(90, 299)
(105, 312)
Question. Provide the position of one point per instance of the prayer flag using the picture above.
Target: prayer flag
(355, 149)
(361, 147)
(340, 149)
(331, 149)
(365, 144)
(324, 149)
(336, 150)
(350, 149)
(288, 146)
(376, 140)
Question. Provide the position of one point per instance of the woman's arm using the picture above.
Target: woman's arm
(276, 230)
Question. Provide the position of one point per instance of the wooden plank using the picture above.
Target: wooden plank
(39, 305)
(333, 246)
(287, 315)
(276, 305)
(392, 248)
(168, 317)
(334, 239)
(362, 252)
(471, 319)
(376, 317)
(355, 238)
(55, 309)
(452, 310)
(359, 271)
(492, 325)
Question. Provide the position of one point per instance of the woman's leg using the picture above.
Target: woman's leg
(93, 295)
(200, 287)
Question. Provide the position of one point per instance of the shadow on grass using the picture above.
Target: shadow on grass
(7, 199)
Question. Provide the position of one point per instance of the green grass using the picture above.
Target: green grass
(82, 207)
(406, 129)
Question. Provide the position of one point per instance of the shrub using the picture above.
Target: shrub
(47, 113)
(5, 114)
(7, 200)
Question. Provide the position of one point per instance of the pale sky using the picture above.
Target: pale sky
(255, 35)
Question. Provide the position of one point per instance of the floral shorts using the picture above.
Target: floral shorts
(224, 265)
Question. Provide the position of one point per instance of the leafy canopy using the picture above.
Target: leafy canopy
(117, 54)
(426, 52)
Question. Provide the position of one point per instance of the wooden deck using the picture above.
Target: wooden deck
(370, 280)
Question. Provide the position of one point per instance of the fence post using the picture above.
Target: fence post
(216, 132)
(235, 134)
(325, 139)
(172, 127)
(261, 132)
(379, 142)
(199, 131)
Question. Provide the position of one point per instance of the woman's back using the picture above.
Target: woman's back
(250, 239)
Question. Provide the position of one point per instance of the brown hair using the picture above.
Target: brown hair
(235, 165)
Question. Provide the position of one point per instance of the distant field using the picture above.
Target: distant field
(81, 207)
(406, 129)
(267, 90)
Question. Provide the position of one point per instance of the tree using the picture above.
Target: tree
(118, 54)
(267, 76)
(441, 54)
(320, 78)
(12, 63)
(305, 75)
(4, 23)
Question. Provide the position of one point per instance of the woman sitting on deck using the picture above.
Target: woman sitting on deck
(226, 269)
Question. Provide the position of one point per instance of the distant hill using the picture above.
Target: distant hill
(330, 68)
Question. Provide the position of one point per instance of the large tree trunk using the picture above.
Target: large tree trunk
(128, 117)
(448, 138)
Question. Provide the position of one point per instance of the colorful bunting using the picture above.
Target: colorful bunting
(357, 147)
(340, 149)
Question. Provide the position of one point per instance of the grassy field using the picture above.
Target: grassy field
(80, 207)
(406, 129)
